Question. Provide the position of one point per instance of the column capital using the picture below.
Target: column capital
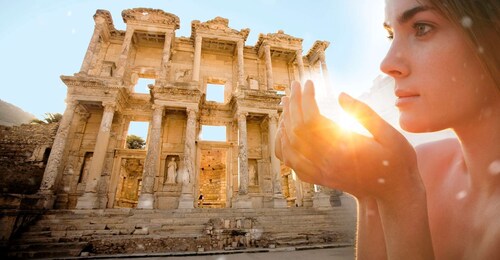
(71, 102)
(242, 114)
(190, 111)
(157, 107)
(273, 117)
(109, 105)
(321, 55)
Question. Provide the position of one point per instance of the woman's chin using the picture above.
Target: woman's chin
(417, 126)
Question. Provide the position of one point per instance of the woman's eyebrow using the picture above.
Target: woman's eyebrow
(408, 14)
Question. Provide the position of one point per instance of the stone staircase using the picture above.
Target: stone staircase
(69, 233)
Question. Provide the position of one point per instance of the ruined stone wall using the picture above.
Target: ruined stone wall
(24, 151)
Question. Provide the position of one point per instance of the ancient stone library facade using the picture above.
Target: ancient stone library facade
(90, 167)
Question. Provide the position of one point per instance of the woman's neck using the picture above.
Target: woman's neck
(480, 140)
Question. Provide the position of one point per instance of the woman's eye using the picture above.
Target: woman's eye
(422, 29)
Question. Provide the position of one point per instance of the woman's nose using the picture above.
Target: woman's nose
(395, 62)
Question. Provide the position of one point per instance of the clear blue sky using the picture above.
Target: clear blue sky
(41, 40)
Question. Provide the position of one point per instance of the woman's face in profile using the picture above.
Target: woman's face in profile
(440, 82)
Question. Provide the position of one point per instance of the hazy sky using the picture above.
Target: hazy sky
(41, 40)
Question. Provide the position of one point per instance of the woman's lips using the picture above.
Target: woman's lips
(405, 98)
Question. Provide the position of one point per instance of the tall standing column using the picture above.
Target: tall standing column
(278, 198)
(324, 72)
(300, 63)
(146, 198)
(57, 152)
(243, 153)
(241, 80)
(242, 200)
(122, 60)
(197, 58)
(186, 201)
(92, 48)
(166, 55)
(89, 198)
(269, 67)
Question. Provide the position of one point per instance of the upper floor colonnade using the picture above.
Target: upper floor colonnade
(150, 37)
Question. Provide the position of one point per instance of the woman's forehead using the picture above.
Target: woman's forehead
(398, 9)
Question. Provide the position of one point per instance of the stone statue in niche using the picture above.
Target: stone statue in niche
(171, 170)
(252, 174)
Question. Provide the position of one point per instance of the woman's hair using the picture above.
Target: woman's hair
(480, 21)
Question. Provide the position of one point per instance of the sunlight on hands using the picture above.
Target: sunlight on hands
(330, 108)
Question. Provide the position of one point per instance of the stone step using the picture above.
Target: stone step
(45, 253)
(48, 246)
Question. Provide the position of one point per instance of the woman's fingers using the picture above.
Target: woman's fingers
(295, 105)
(310, 109)
(382, 131)
(306, 170)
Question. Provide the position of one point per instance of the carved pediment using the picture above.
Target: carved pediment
(149, 15)
(279, 38)
(218, 24)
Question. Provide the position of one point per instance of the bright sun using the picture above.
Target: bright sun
(349, 123)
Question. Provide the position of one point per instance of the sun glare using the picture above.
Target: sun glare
(349, 123)
(333, 111)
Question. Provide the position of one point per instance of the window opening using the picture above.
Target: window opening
(142, 85)
(213, 133)
(137, 135)
(215, 92)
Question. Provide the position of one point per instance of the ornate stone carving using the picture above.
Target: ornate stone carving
(149, 15)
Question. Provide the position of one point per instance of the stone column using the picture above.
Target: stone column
(89, 198)
(166, 55)
(122, 60)
(269, 67)
(187, 199)
(243, 153)
(278, 198)
(197, 58)
(94, 41)
(324, 72)
(146, 198)
(241, 80)
(242, 200)
(56, 155)
(321, 198)
(300, 63)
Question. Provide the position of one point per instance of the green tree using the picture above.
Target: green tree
(49, 118)
(135, 142)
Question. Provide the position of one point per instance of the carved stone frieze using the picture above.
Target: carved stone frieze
(149, 15)
(218, 24)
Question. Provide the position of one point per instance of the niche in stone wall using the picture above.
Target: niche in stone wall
(172, 163)
(84, 172)
(129, 186)
(253, 172)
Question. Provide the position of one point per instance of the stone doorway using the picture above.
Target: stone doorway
(129, 184)
(212, 178)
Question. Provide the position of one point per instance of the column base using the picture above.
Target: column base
(146, 201)
(321, 200)
(242, 202)
(279, 201)
(88, 200)
(46, 199)
(186, 201)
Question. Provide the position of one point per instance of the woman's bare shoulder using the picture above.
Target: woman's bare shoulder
(436, 158)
